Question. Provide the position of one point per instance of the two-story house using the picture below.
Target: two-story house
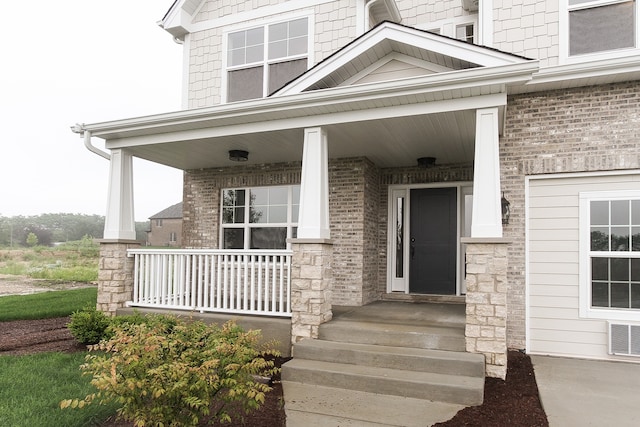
(165, 227)
(483, 153)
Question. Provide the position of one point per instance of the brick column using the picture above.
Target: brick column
(311, 281)
(115, 275)
(486, 299)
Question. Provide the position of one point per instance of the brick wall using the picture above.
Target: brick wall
(353, 206)
(574, 130)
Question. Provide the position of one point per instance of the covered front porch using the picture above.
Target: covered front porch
(341, 142)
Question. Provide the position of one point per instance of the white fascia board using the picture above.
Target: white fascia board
(560, 73)
(401, 34)
(459, 104)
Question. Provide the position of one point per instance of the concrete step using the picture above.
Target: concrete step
(397, 382)
(415, 359)
(319, 406)
(394, 334)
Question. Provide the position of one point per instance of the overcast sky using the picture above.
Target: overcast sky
(81, 61)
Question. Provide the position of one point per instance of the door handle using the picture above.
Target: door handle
(413, 247)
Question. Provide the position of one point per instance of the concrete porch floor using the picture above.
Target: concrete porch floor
(406, 313)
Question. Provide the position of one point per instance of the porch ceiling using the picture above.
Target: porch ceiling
(399, 141)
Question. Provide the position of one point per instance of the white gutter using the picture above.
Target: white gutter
(79, 129)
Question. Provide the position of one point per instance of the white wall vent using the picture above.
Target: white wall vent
(624, 339)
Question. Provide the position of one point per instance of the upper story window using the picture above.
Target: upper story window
(158, 223)
(601, 25)
(611, 254)
(261, 60)
(259, 217)
(461, 29)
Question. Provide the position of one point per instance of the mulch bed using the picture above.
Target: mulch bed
(514, 402)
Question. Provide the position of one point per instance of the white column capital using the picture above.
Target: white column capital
(119, 222)
(313, 221)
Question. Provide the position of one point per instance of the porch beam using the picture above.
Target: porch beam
(119, 222)
(486, 219)
(313, 220)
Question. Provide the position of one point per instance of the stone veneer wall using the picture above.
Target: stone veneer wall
(409, 176)
(574, 130)
(486, 300)
(353, 208)
(115, 275)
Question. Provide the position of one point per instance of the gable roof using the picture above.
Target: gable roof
(172, 212)
(440, 53)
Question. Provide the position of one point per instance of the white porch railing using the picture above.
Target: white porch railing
(256, 282)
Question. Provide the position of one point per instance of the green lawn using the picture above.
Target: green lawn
(32, 386)
(46, 305)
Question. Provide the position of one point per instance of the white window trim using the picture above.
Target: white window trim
(565, 58)
(447, 27)
(246, 225)
(586, 311)
(265, 23)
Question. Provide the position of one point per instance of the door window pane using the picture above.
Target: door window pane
(399, 246)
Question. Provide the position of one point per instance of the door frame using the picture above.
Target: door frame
(464, 205)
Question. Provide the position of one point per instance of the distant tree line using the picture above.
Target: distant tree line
(53, 228)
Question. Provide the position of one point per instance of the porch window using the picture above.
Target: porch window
(601, 25)
(259, 217)
(613, 253)
(261, 60)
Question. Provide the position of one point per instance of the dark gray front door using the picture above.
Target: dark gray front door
(432, 268)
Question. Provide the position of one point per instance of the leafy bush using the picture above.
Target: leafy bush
(171, 372)
(89, 325)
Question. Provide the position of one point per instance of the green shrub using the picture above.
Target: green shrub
(89, 325)
(171, 372)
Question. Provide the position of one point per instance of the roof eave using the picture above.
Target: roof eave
(295, 105)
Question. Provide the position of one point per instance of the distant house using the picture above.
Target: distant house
(166, 227)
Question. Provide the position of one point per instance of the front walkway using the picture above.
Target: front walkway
(578, 392)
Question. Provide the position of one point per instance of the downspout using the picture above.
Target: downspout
(79, 129)
(367, 8)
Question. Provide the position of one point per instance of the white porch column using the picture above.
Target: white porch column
(486, 219)
(119, 222)
(313, 222)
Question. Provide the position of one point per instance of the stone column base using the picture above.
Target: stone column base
(311, 281)
(115, 275)
(486, 300)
